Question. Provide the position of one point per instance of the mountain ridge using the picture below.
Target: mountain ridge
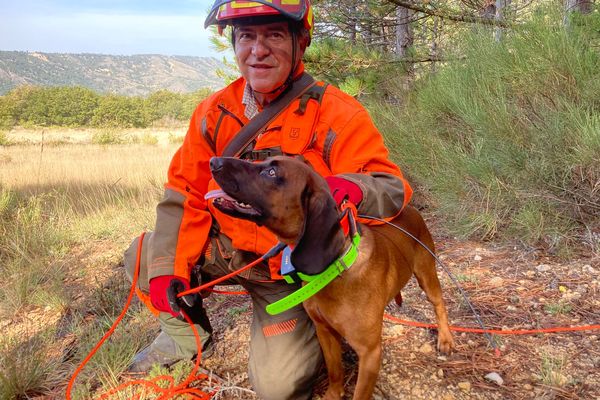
(133, 75)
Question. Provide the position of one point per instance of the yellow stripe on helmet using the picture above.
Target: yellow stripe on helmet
(237, 4)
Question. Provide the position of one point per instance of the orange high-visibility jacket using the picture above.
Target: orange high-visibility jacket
(336, 137)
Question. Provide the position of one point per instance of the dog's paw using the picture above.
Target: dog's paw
(445, 342)
(333, 394)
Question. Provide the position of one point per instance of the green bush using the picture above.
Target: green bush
(148, 138)
(120, 112)
(4, 139)
(507, 141)
(107, 136)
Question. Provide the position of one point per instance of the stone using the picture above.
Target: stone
(495, 377)
(543, 268)
(496, 281)
(464, 386)
(477, 257)
(397, 330)
(426, 348)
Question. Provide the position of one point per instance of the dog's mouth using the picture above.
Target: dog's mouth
(227, 204)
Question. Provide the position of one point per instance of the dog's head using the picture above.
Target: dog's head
(289, 198)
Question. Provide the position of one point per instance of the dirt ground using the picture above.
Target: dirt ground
(511, 288)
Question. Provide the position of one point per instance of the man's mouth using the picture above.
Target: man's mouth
(224, 202)
(261, 66)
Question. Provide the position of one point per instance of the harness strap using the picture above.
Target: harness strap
(260, 122)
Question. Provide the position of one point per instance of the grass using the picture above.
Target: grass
(558, 308)
(552, 370)
(506, 142)
(67, 212)
(28, 367)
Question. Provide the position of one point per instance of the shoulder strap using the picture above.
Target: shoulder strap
(260, 121)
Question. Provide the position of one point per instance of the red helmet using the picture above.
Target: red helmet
(223, 12)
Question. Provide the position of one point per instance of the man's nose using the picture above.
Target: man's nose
(260, 48)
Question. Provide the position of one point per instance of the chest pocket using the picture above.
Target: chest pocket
(298, 128)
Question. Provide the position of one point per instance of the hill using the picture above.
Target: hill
(127, 75)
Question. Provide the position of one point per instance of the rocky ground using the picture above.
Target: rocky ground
(511, 288)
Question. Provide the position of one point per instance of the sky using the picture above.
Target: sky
(125, 27)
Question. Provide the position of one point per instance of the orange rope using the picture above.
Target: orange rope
(165, 393)
(221, 279)
(495, 331)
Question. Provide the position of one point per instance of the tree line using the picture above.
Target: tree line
(74, 107)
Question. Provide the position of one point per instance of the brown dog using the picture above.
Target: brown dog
(294, 202)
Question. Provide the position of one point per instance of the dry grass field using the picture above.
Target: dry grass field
(69, 208)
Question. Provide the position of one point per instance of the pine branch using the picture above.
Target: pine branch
(435, 12)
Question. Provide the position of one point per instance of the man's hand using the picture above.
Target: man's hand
(342, 189)
(163, 294)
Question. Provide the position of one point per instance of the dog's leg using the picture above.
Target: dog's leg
(332, 352)
(428, 281)
(365, 339)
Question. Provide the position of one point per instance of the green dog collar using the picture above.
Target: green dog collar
(319, 281)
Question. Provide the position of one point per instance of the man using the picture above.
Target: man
(194, 242)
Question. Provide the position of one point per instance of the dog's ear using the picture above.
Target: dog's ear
(322, 239)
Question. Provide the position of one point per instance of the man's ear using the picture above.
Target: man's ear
(303, 39)
(322, 240)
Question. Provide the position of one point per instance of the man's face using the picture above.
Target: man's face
(264, 54)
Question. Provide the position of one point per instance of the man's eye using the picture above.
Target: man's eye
(271, 172)
(277, 35)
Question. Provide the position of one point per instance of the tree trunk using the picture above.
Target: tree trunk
(582, 6)
(433, 48)
(404, 33)
(502, 7)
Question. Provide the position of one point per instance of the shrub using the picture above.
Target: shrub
(150, 139)
(4, 141)
(506, 142)
(107, 136)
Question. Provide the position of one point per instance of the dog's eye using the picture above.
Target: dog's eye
(269, 172)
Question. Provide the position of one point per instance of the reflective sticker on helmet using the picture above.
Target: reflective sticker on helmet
(236, 4)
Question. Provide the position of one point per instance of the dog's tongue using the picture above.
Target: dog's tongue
(217, 193)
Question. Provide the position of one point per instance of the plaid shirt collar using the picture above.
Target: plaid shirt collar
(250, 102)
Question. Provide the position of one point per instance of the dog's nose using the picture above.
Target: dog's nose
(216, 163)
